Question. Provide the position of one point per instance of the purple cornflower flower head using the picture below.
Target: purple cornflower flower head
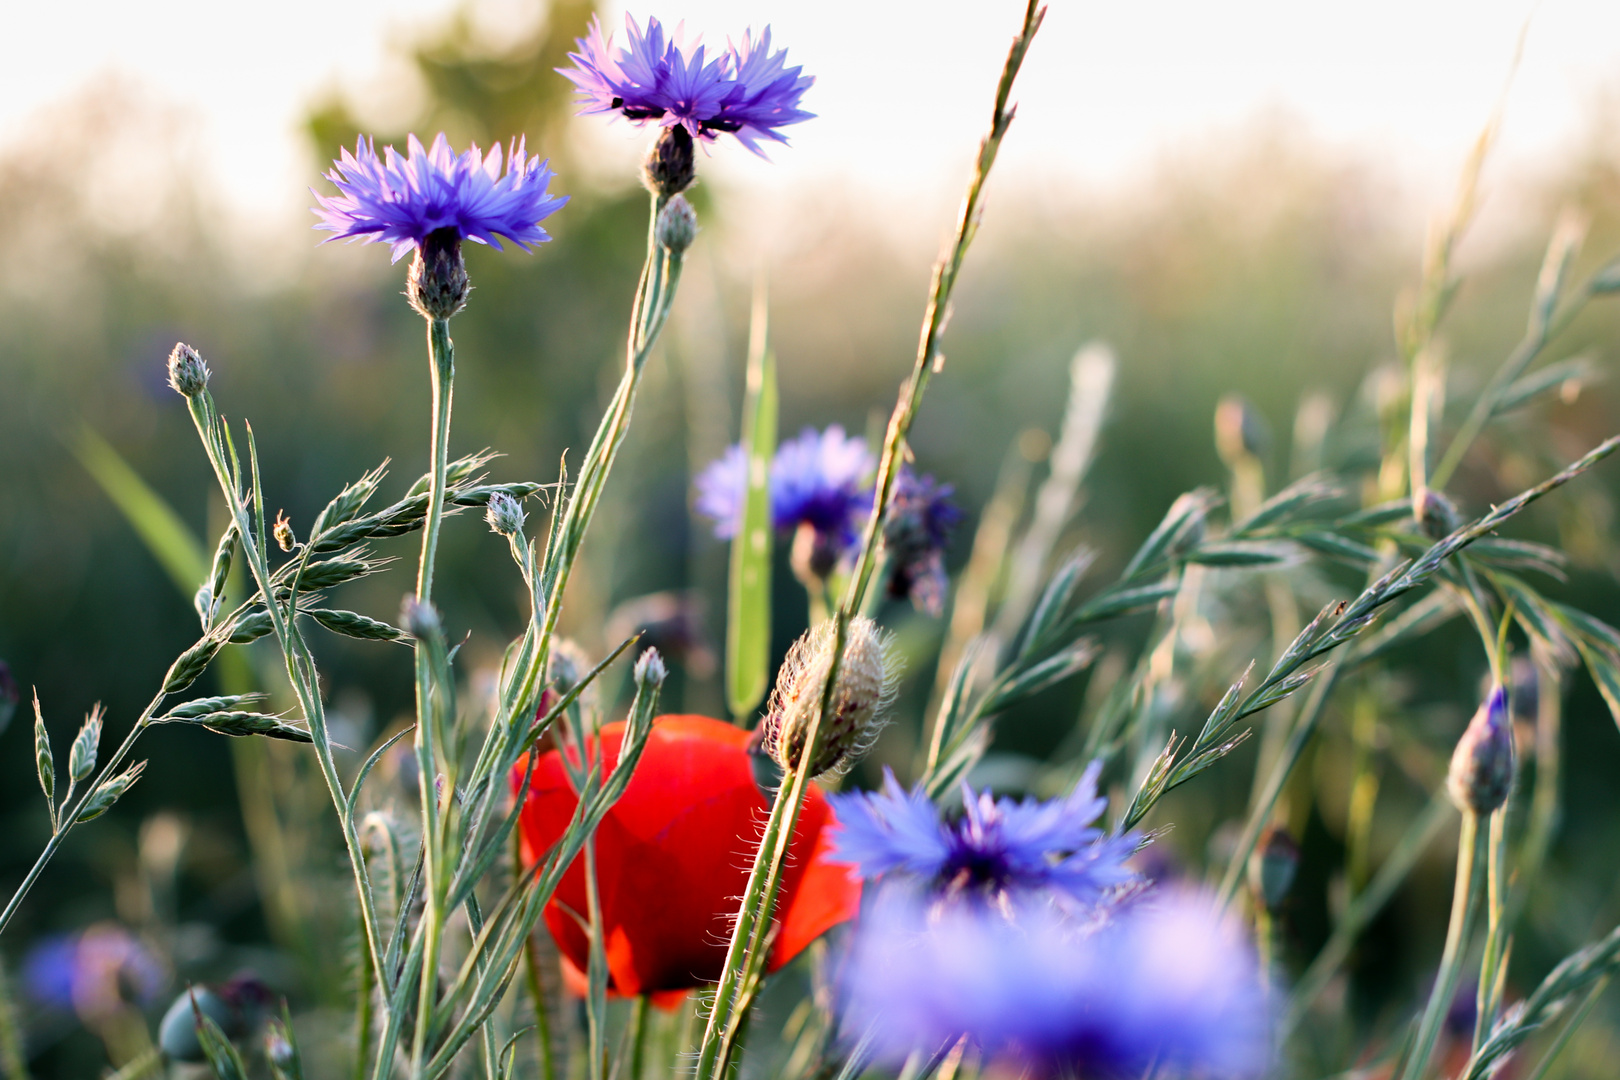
(95, 972)
(747, 91)
(1482, 766)
(401, 201)
(919, 524)
(998, 850)
(1163, 980)
(817, 482)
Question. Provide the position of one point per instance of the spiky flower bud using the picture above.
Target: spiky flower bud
(1437, 516)
(1272, 867)
(283, 532)
(187, 372)
(278, 1049)
(670, 168)
(650, 669)
(866, 682)
(569, 664)
(677, 225)
(437, 284)
(504, 514)
(1482, 765)
(419, 619)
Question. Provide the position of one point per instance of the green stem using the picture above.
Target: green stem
(428, 677)
(531, 974)
(362, 1018)
(1489, 997)
(1470, 848)
(637, 1036)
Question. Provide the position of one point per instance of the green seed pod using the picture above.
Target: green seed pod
(677, 225)
(109, 792)
(866, 684)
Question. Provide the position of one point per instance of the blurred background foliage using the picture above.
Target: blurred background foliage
(1268, 268)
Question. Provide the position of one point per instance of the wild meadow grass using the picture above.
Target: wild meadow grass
(547, 873)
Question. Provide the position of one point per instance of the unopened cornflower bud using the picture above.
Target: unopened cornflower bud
(437, 284)
(1272, 868)
(504, 514)
(1482, 766)
(670, 167)
(569, 664)
(677, 225)
(419, 619)
(650, 669)
(1436, 515)
(283, 532)
(278, 1050)
(866, 683)
(1240, 430)
(187, 372)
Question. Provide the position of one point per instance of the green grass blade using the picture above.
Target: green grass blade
(164, 534)
(748, 614)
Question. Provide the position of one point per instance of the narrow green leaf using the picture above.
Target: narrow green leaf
(159, 527)
(748, 615)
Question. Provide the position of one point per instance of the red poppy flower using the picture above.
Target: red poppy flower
(673, 856)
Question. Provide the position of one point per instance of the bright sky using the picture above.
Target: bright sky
(902, 85)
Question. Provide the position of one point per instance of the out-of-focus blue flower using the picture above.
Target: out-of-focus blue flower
(818, 479)
(1164, 980)
(998, 849)
(95, 972)
(401, 200)
(747, 91)
(919, 524)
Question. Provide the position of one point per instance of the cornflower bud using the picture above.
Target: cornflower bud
(677, 225)
(419, 619)
(437, 284)
(650, 669)
(1436, 515)
(504, 514)
(283, 532)
(187, 372)
(1272, 868)
(866, 683)
(670, 168)
(278, 1050)
(1482, 765)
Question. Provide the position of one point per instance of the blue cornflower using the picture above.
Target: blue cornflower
(92, 972)
(918, 526)
(1163, 980)
(999, 850)
(818, 486)
(402, 201)
(747, 91)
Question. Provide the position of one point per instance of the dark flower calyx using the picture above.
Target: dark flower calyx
(670, 168)
(437, 285)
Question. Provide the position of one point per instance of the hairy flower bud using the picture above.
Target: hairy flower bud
(419, 619)
(1272, 867)
(1482, 765)
(437, 285)
(1437, 516)
(677, 225)
(187, 372)
(866, 683)
(650, 669)
(504, 514)
(670, 168)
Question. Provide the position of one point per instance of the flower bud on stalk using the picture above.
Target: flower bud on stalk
(1482, 765)
(677, 225)
(188, 375)
(866, 683)
(437, 285)
(504, 515)
(283, 532)
(1272, 868)
(670, 168)
(419, 619)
